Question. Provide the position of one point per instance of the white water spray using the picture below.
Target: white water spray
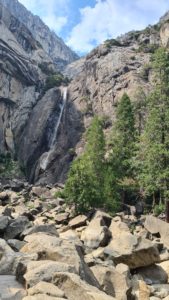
(46, 156)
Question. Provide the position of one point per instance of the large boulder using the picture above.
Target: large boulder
(157, 226)
(75, 288)
(9, 259)
(16, 227)
(132, 250)
(114, 281)
(97, 233)
(44, 270)
(58, 250)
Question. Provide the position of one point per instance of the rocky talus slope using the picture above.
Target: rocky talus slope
(46, 252)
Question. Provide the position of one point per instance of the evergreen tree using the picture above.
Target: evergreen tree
(154, 146)
(123, 145)
(140, 109)
(85, 183)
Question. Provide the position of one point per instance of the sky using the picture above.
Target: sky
(84, 24)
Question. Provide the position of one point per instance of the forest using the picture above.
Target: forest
(133, 163)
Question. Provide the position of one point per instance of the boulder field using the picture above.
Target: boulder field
(47, 252)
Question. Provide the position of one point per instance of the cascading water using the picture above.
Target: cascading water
(45, 160)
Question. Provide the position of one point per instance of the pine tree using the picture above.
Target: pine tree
(140, 109)
(154, 146)
(123, 145)
(85, 183)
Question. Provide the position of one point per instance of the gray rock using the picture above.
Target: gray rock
(16, 227)
(4, 220)
(16, 245)
(48, 228)
(11, 289)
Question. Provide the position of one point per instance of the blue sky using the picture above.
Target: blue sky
(83, 24)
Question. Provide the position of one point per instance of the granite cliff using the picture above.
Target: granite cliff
(42, 114)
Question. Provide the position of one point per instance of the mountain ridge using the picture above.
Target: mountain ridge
(53, 45)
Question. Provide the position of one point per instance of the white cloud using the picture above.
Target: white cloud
(52, 12)
(110, 18)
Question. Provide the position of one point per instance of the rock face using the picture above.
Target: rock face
(50, 42)
(26, 61)
(42, 127)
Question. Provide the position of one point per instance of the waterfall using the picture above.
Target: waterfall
(46, 156)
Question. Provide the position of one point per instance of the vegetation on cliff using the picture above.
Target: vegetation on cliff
(137, 164)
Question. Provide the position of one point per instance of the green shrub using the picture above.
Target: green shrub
(144, 73)
(46, 69)
(59, 194)
(158, 209)
(9, 168)
(55, 80)
(112, 42)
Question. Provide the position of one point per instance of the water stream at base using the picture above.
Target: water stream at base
(45, 160)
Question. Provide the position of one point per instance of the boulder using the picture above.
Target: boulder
(130, 250)
(6, 258)
(115, 282)
(157, 226)
(75, 288)
(140, 290)
(71, 236)
(16, 245)
(62, 218)
(143, 291)
(97, 233)
(118, 227)
(48, 228)
(44, 271)
(165, 266)
(11, 289)
(4, 221)
(153, 274)
(78, 221)
(58, 250)
(16, 227)
(160, 290)
(47, 289)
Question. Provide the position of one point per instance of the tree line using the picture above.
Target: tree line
(134, 164)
